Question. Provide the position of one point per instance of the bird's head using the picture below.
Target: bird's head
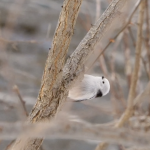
(104, 85)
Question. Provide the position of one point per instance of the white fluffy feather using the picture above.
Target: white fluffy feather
(89, 87)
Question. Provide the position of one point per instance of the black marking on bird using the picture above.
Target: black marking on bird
(99, 94)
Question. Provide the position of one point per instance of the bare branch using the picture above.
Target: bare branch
(134, 77)
(147, 33)
(137, 101)
(74, 65)
(111, 41)
(128, 68)
(75, 130)
(55, 82)
(48, 99)
(23, 107)
(142, 95)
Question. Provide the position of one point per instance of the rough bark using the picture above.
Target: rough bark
(49, 98)
(56, 82)
(75, 63)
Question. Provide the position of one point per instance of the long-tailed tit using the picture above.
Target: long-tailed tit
(90, 87)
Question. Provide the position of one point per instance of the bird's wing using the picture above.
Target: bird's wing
(79, 100)
(84, 90)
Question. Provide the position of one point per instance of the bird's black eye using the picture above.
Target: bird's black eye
(103, 82)
(102, 77)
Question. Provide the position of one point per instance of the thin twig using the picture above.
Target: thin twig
(134, 77)
(101, 146)
(120, 91)
(98, 9)
(112, 41)
(6, 104)
(16, 89)
(145, 67)
(80, 130)
(147, 34)
(132, 36)
(9, 145)
(142, 95)
(143, 61)
(4, 40)
(145, 93)
(114, 94)
(129, 111)
(127, 58)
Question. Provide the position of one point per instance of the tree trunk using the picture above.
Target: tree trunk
(49, 99)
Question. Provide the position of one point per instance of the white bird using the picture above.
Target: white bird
(90, 87)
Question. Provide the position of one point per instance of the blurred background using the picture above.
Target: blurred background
(26, 32)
